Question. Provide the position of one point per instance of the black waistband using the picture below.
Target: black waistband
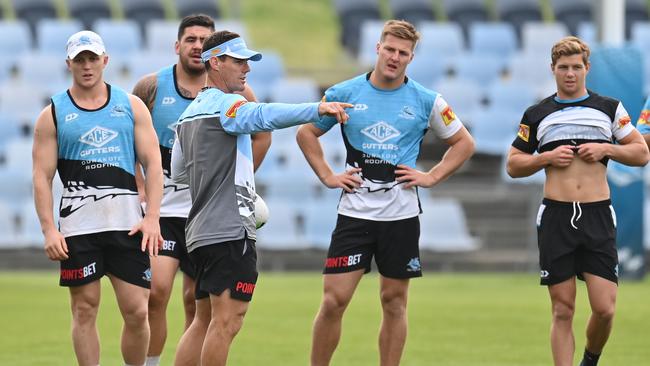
(550, 202)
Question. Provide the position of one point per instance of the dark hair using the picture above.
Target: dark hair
(216, 39)
(201, 20)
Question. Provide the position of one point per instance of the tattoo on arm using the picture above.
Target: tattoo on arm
(146, 89)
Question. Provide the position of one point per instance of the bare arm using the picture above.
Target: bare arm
(461, 148)
(521, 164)
(646, 138)
(145, 89)
(146, 146)
(631, 150)
(307, 138)
(261, 140)
(45, 158)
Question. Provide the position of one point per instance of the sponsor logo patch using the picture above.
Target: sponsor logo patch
(168, 100)
(623, 121)
(232, 111)
(360, 107)
(71, 117)
(544, 274)
(344, 261)
(524, 132)
(381, 132)
(447, 115)
(245, 287)
(644, 118)
(98, 136)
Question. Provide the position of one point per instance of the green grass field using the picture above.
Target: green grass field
(454, 319)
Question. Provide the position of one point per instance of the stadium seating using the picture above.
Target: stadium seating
(571, 13)
(494, 129)
(15, 42)
(166, 32)
(635, 11)
(496, 39)
(295, 90)
(369, 36)
(7, 226)
(188, 7)
(282, 231)
(521, 68)
(142, 12)
(264, 73)
(427, 68)
(511, 94)
(122, 38)
(466, 12)
(518, 12)
(481, 69)
(444, 40)
(414, 11)
(463, 95)
(320, 219)
(33, 11)
(89, 11)
(352, 14)
(53, 35)
(538, 38)
(587, 32)
(443, 226)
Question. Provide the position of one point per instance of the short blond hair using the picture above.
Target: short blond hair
(400, 29)
(569, 46)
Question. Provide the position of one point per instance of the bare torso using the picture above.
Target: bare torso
(580, 182)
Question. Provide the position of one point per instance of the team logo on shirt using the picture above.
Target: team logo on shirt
(623, 121)
(524, 132)
(168, 100)
(447, 115)
(644, 118)
(407, 113)
(118, 111)
(381, 132)
(98, 136)
(71, 117)
(232, 111)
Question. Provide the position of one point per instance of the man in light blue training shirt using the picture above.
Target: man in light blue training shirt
(213, 155)
(379, 208)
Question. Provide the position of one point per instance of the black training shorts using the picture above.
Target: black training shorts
(228, 265)
(115, 252)
(394, 244)
(576, 238)
(173, 233)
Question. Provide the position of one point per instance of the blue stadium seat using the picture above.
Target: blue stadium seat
(264, 73)
(29, 234)
(89, 11)
(295, 90)
(427, 68)
(443, 227)
(23, 101)
(320, 221)
(166, 33)
(413, 11)
(122, 38)
(571, 13)
(494, 129)
(43, 68)
(518, 12)
(511, 94)
(538, 38)
(7, 225)
(641, 37)
(145, 62)
(536, 179)
(352, 14)
(282, 230)
(53, 35)
(33, 11)
(16, 40)
(370, 33)
(483, 69)
(466, 12)
(444, 40)
(587, 32)
(143, 11)
(463, 95)
(236, 27)
(635, 11)
(207, 7)
(497, 39)
(531, 70)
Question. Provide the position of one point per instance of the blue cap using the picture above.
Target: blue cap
(234, 48)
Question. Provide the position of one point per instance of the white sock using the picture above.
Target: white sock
(152, 361)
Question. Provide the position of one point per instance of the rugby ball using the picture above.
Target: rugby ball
(261, 212)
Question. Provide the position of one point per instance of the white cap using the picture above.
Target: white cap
(84, 41)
